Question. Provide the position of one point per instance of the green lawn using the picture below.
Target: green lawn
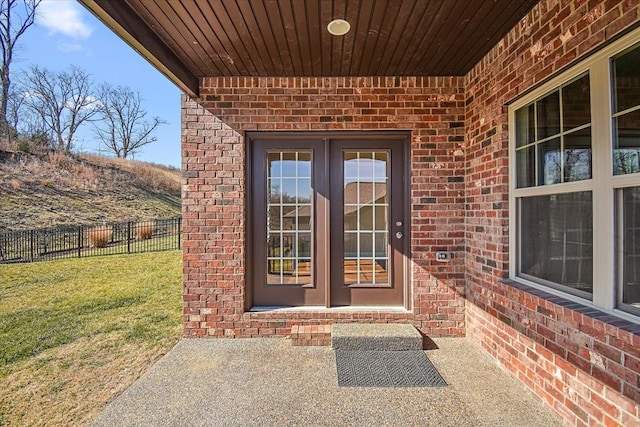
(74, 333)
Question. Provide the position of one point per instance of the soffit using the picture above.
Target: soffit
(191, 39)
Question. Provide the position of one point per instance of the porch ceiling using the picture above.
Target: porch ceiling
(189, 39)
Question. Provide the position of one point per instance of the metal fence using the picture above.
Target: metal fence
(162, 234)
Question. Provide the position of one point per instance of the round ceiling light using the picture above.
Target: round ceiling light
(338, 27)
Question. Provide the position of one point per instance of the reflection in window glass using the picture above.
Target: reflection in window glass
(525, 125)
(550, 162)
(556, 243)
(626, 71)
(548, 115)
(554, 153)
(577, 155)
(576, 104)
(526, 166)
(626, 152)
(289, 209)
(365, 217)
(630, 233)
(626, 118)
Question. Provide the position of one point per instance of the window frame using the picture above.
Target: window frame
(604, 185)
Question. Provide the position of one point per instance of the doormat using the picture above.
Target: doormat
(373, 368)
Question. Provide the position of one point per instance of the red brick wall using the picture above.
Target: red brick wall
(214, 199)
(583, 363)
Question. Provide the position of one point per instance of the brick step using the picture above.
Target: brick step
(310, 335)
(358, 336)
(381, 336)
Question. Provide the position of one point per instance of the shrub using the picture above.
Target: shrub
(100, 237)
(145, 229)
(58, 159)
(40, 141)
(83, 176)
(23, 145)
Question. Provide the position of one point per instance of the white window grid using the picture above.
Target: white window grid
(560, 135)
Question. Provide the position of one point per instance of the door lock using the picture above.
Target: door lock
(399, 235)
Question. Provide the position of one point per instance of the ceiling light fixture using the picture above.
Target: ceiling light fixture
(338, 27)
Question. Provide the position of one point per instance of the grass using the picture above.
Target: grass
(74, 333)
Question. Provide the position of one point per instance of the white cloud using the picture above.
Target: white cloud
(63, 17)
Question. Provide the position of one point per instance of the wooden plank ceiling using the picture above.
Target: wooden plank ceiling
(189, 39)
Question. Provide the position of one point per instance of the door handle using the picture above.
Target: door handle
(399, 235)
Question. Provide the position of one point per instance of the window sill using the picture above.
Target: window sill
(615, 317)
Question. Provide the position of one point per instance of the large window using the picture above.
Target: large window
(575, 188)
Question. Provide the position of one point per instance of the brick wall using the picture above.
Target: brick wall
(583, 363)
(214, 199)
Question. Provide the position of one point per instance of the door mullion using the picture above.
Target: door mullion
(324, 209)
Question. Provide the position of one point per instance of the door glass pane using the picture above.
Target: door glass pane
(630, 234)
(289, 207)
(366, 252)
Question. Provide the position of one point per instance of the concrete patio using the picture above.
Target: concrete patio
(267, 382)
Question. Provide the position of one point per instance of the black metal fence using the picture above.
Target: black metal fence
(162, 234)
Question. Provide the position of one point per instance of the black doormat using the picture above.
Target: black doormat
(359, 368)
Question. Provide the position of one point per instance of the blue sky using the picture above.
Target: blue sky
(65, 33)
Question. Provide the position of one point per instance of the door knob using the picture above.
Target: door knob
(399, 235)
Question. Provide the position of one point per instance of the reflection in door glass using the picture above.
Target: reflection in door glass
(289, 208)
(366, 206)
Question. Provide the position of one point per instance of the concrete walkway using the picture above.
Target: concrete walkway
(267, 382)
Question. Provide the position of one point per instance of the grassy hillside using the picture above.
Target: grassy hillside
(54, 189)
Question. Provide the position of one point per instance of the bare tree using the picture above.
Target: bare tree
(123, 127)
(15, 110)
(626, 160)
(28, 125)
(64, 101)
(16, 16)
